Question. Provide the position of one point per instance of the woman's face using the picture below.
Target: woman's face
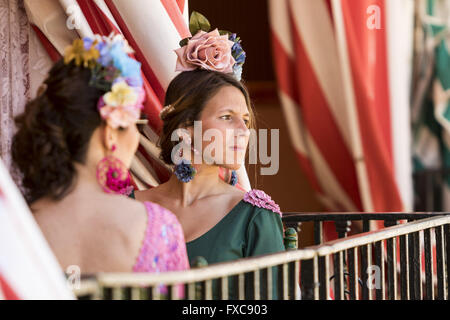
(226, 118)
(127, 144)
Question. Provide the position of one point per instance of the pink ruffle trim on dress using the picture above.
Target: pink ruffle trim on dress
(262, 200)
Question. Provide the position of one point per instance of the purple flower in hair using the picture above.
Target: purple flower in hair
(236, 50)
(105, 58)
(87, 43)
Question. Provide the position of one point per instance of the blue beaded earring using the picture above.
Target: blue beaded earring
(234, 178)
(185, 171)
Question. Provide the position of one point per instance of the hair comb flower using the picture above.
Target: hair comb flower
(112, 71)
(216, 50)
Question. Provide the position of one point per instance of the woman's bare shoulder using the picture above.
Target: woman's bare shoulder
(92, 226)
(122, 210)
(123, 222)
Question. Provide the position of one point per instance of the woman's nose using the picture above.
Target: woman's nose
(243, 130)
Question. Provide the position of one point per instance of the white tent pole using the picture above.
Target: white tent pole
(400, 26)
(352, 112)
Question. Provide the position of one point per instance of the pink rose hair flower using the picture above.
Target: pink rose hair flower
(206, 50)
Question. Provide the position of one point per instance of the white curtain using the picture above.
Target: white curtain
(23, 65)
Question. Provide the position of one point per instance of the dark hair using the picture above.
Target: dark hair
(54, 132)
(188, 93)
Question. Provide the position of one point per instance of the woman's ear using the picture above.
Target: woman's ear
(191, 130)
(109, 138)
(189, 127)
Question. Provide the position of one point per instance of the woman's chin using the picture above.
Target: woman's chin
(232, 166)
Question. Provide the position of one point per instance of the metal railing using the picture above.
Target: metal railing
(278, 275)
(198, 283)
(397, 253)
(343, 220)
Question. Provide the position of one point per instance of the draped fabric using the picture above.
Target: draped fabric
(28, 268)
(23, 65)
(14, 70)
(334, 61)
(6, 292)
(431, 106)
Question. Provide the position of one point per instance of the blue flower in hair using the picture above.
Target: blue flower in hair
(236, 50)
(105, 56)
(129, 68)
(237, 71)
(240, 59)
(87, 43)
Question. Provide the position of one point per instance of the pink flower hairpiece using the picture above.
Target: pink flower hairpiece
(114, 71)
(121, 106)
(210, 50)
(207, 50)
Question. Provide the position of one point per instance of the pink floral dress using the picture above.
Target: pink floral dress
(163, 248)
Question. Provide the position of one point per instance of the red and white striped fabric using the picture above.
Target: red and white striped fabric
(28, 268)
(6, 292)
(153, 28)
(334, 61)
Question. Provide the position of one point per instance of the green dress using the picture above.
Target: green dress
(253, 227)
(245, 231)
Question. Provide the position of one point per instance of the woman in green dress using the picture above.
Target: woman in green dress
(206, 128)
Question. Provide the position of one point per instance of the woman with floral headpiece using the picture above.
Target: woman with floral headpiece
(74, 144)
(220, 221)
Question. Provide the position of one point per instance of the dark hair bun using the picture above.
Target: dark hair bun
(54, 132)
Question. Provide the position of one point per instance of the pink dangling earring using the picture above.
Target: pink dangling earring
(113, 175)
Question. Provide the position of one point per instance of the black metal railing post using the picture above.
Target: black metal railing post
(307, 279)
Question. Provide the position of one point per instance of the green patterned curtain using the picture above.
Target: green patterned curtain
(431, 104)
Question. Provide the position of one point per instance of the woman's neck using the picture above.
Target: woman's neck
(86, 178)
(84, 183)
(205, 183)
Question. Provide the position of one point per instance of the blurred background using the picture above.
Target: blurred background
(357, 88)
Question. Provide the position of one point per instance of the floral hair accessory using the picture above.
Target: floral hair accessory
(215, 50)
(121, 106)
(78, 52)
(112, 71)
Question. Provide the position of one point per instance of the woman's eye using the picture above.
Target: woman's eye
(226, 117)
